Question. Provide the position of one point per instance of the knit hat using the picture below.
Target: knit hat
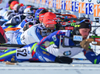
(49, 18)
(13, 3)
(79, 26)
(83, 25)
(15, 6)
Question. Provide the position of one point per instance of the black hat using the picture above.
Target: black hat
(79, 26)
(83, 25)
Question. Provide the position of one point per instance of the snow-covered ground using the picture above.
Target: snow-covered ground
(77, 67)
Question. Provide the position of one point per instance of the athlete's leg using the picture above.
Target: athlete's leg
(42, 55)
(9, 55)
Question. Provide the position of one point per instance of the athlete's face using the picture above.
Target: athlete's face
(84, 32)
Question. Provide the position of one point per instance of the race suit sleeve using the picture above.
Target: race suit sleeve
(35, 33)
(92, 57)
(52, 38)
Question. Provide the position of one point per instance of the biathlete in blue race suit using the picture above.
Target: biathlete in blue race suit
(33, 52)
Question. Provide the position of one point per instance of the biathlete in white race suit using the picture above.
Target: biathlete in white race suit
(48, 48)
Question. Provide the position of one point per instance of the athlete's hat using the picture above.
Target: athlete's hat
(83, 25)
(79, 26)
(49, 18)
(13, 3)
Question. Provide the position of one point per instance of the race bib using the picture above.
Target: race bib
(24, 53)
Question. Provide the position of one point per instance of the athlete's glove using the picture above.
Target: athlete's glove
(85, 43)
(63, 59)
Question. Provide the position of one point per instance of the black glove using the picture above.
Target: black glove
(63, 59)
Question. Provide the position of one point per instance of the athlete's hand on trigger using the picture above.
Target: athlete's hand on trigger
(85, 43)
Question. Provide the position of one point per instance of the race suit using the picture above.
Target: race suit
(91, 56)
